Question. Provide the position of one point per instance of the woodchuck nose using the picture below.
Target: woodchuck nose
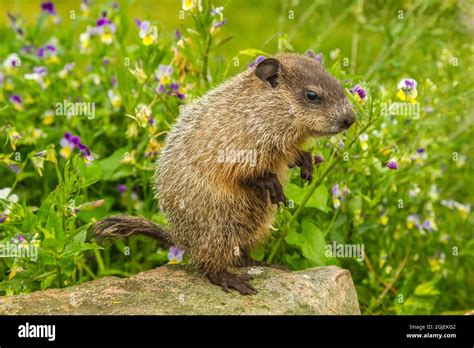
(219, 176)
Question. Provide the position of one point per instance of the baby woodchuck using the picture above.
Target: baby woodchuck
(219, 176)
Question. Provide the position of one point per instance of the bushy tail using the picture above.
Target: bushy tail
(122, 226)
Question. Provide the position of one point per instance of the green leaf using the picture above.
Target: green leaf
(319, 199)
(295, 193)
(111, 164)
(92, 173)
(427, 289)
(311, 241)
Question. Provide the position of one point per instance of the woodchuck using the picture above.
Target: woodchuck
(219, 176)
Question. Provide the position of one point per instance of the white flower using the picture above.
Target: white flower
(12, 198)
(12, 61)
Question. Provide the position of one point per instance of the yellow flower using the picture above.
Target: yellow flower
(65, 152)
(53, 60)
(148, 40)
(384, 220)
(189, 5)
(48, 118)
(106, 38)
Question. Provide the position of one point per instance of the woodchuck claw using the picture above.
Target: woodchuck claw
(228, 281)
(305, 162)
(268, 182)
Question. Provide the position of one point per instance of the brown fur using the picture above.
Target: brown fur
(212, 215)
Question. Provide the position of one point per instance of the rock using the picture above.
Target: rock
(172, 290)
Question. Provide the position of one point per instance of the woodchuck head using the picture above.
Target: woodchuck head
(315, 102)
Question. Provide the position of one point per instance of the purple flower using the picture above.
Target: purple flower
(14, 168)
(45, 49)
(420, 150)
(121, 188)
(175, 255)
(178, 34)
(257, 61)
(409, 84)
(113, 81)
(219, 24)
(15, 99)
(142, 25)
(3, 217)
(318, 159)
(48, 7)
(335, 190)
(103, 21)
(359, 90)
(427, 226)
(70, 140)
(392, 164)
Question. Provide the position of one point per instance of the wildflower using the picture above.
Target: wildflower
(363, 141)
(115, 99)
(384, 220)
(216, 25)
(37, 75)
(49, 53)
(121, 188)
(84, 41)
(70, 142)
(17, 102)
(339, 195)
(427, 225)
(334, 53)
(414, 191)
(105, 28)
(318, 159)
(152, 148)
(14, 270)
(88, 158)
(189, 5)
(162, 75)
(143, 114)
(407, 90)
(178, 34)
(48, 7)
(257, 61)
(177, 91)
(175, 255)
(139, 73)
(66, 70)
(413, 220)
(11, 199)
(359, 93)
(48, 118)
(148, 33)
(85, 7)
(12, 61)
(392, 164)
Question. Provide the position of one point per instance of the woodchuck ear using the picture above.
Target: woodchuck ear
(267, 70)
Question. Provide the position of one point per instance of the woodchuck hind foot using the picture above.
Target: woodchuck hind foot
(228, 281)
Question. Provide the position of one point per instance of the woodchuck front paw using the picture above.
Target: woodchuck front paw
(305, 162)
(268, 182)
(228, 281)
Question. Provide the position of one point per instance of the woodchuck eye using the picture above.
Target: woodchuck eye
(312, 96)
